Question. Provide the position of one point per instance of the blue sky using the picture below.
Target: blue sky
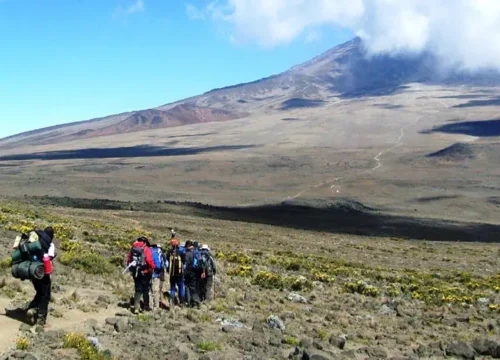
(68, 60)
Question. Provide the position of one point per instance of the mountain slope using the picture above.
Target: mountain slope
(341, 72)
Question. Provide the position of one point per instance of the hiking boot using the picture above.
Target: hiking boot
(135, 311)
(147, 309)
(41, 321)
(31, 314)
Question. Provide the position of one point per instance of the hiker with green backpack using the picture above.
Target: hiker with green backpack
(141, 265)
(32, 260)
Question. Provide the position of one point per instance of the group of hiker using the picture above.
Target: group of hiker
(189, 267)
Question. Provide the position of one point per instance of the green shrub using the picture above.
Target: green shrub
(5, 263)
(84, 347)
(116, 260)
(91, 263)
(209, 346)
(290, 340)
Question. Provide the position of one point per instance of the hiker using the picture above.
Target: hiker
(209, 271)
(37, 310)
(190, 271)
(175, 268)
(199, 268)
(158, 275)
(141, 265)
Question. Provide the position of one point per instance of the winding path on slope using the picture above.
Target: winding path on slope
(377, 158)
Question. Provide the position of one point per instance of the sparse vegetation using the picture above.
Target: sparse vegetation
(22, 344)
(209, 346)
(85, 348)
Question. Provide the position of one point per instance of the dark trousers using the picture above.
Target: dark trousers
(142, 287)
(190, 282)
(42, 298)
(200, 285)
(206, 292)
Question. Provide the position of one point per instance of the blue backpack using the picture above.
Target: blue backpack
(157, 259)
(198, 259)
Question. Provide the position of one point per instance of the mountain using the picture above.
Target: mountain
(341, 72)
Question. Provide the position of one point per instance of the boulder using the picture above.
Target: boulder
(461, 350)
(296, 298)
(274, 322)
(487, 347)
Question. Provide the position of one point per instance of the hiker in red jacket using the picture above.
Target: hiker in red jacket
(141, 265)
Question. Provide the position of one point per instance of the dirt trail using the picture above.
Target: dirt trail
(72, 320)
(377, 158)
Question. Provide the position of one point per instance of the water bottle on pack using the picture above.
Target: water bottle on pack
(47, 263)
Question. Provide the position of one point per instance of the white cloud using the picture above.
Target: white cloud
(133, 8)
(459, 32)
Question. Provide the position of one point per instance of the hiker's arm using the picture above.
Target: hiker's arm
(52, 251)
(129, 257)
(214, 266)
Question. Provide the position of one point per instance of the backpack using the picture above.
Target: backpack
(157, 259)
(175, 264)
(198, 262)
(206, 262)
(27, 247)
(139, 258)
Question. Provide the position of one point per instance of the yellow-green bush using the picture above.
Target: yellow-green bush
(240, 258)
(91, 263)
(22, 344)
(362, 288)
(322, 277)
(84, 347)
(24, 226)
(5, 263)
(209, 346)
(241, 271)
(290, 340)
(268, 280)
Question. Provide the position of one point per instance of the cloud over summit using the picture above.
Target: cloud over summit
(461, 33)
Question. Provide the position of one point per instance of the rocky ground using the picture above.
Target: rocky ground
(279, 293)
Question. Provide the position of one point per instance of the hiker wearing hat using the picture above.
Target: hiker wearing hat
(141, 265)
(209, 271)
(175, 260)
(190, 273)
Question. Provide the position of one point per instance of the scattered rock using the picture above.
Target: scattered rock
(104, 299)
(338, 341)
(228, 329)
(25, 328)
(274, 322)
(67, 354)
(487, 347)
(483, 301)
(460, 350)
(111, 321)
(231, 322)
(121, 325)
(376, 352)
(296, 298)
(386, 310)
(306, 343)
(122, 313)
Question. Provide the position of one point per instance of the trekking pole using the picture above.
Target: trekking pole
(132, 264)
